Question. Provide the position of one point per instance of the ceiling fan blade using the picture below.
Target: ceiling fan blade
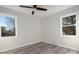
(33, 12)
(25, 6)
(42, 9)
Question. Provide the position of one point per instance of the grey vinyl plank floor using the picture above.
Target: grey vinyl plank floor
(41, 48)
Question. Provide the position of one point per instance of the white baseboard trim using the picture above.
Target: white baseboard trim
(18, 46)
(55, 43)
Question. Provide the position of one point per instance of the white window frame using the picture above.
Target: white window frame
(5, 14)
(74, 13)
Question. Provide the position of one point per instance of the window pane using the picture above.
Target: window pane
(7, 25)
(7, 21)
(7, 31)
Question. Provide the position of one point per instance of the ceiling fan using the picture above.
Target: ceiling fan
(34, 7)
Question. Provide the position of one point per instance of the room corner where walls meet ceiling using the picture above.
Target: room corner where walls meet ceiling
(51, 9)
(37, 30)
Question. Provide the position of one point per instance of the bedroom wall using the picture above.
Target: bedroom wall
(32, 30)
(29, 31)
(51, 30)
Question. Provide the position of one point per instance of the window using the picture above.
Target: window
(7, 26)
(69, 27)
(68, 24)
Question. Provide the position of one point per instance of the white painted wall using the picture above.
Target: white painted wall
(32, 30)
(29, 31)
(51, 30)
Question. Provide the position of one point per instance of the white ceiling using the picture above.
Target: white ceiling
(51, 9)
